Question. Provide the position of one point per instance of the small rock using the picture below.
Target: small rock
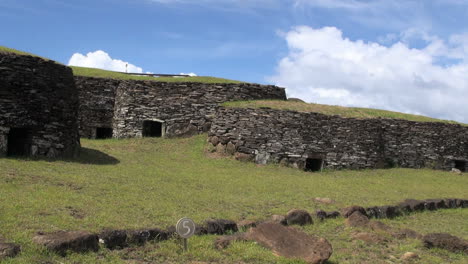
(61, 241)
(9, 250)
(220, 226)
(113, 239)
(298, 217)
(411, 205)
(357, 219)
(139, 237)
(346, 212)
(409, 256)
(438, 203)
(324, 200)
(456, 171)
(243, 157)
(220, 148)
(333, 214)
(386, 211)
(230, 148)
(320, 214)
(214, 140)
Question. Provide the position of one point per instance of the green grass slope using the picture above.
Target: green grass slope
(9, 50)
(138, 183)
(92, 72)
(350, 112)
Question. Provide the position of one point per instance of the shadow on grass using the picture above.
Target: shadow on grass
(86, 156)
(96, 157)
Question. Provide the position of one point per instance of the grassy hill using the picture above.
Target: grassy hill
(354, 112)
(92, 72)
(141, 183)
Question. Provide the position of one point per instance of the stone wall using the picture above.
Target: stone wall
(180, 108)
(301, 139)
(97, 98)
(38, 107)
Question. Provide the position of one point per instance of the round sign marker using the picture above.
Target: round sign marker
(185, 227)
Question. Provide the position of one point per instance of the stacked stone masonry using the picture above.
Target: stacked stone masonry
(38, 108)
(301, 139)
(180, 108)
(97, 99)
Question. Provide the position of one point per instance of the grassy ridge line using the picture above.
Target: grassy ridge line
(99, 73)
(348, 112)
(92, 72)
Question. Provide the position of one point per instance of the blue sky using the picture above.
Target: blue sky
(402, 55)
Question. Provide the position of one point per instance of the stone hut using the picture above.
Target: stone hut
(38, 108)
(313, 141)
(132, 108)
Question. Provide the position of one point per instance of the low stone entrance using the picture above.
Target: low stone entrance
(460, 164)
(313, 164)
(19, 140)
(103, 132)
(152, 128)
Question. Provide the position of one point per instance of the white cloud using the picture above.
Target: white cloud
(324, 67)
(189, 74)
(101, 60)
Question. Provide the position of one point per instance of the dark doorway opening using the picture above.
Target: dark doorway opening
(461, 165)
(18, 142)
(103, 132)
(313, 165)
(152, 129)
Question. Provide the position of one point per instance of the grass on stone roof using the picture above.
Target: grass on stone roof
(99, 73)
(92, 72)
(348, 112)
(9, 50)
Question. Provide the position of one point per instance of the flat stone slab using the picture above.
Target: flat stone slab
(61, 241)
(446, 241)
(290, 242)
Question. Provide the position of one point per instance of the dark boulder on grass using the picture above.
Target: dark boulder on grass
(346, 212)
(220, 226)
(62, 241)
(9, 250)
(438, 203)
(451, 203)
(412, 205)
(321, 215)
(298, 217)
(113, 239)
(333, 214)
(139, 237)
(387, 211)
(461, 203)
(446, 241)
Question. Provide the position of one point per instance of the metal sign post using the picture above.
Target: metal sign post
(185, 228)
